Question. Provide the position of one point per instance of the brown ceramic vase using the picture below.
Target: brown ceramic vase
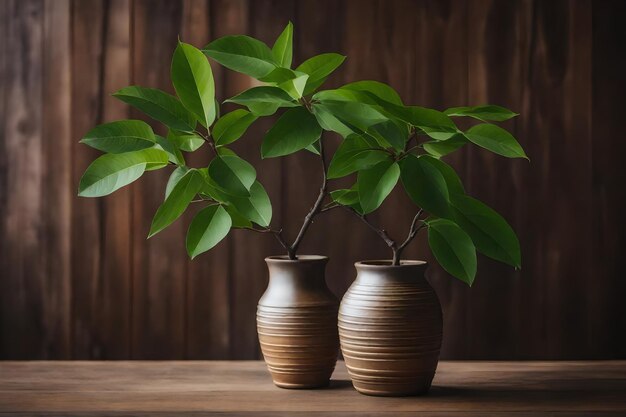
(297, 323)
(390, 327)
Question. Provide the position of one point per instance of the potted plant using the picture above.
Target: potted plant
(297, 315)
(390, 322)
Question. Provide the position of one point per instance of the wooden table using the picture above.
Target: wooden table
(245, 389)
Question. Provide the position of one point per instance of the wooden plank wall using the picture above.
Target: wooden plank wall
(79, 279)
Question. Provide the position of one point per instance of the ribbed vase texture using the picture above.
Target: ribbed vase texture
(297, 323)
(390, 327)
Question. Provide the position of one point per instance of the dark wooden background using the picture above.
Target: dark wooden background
(80, 280)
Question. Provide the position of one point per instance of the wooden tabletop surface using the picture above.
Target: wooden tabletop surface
(241, 388)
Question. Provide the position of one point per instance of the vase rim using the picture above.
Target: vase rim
(386, 264)
(299, 259)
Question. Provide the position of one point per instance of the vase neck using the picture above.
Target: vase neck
(381, 272)
(299, 281)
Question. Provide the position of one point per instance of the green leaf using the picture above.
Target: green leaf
(153, 166)
(329, 122)
(360, 112)
(188, 142)
(177, 201)
(342, 94)
(425, 185)
(282, 51)
(175, 176)
(111, 172)
(453, 182)
(256, 208)
(280, 75)
(159, 105)
(348, 197)
(432, 122)
(224, 151)
(238, 220)
(242, 54)
(483, 113)
(174, 155)
(444, 147)
(319, 68)
(207, 229)
(381, 90)
(232, 126)
(193, 81)
(491, 234)
(375, 184)
(120, 136)
(292, 82)
(354, 114)
(389, 134)
(232, 174)
(295, 86)
(453, 249)
(496, 140)
(295, 130)
(263, 101)
(314, 148)
(354, 154)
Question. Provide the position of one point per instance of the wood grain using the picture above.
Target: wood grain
(245, 388)
(100, 285)
(609, 194)
(79, 280)
(207, 306)
(23, 308)
(57, 178)
(159, 263)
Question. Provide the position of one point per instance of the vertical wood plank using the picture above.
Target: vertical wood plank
(160, 263)
(58, 189)
(249, 272)
(441, 54)
(231, 18)
(101, 228)
(319, 28)
(557, 97)
(496, 41)
(369, 41)
(368, 33)
(606, 310)
(208, 276)
(22, 251)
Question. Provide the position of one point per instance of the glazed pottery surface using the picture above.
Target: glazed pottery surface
(390, 327)
(297, 323)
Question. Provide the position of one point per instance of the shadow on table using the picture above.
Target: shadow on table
(435, 391)
(339, 384)
(442, 392)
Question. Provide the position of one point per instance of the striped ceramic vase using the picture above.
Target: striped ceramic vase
(390, 327)
(297, 323)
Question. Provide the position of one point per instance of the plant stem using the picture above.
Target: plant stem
(412, 233)
(380, 232)
(208, 140)
(329, 207)
(278, 234)
(315, 210)
(396, 250)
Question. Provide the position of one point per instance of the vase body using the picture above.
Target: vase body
(297, 323)
(390, 327)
